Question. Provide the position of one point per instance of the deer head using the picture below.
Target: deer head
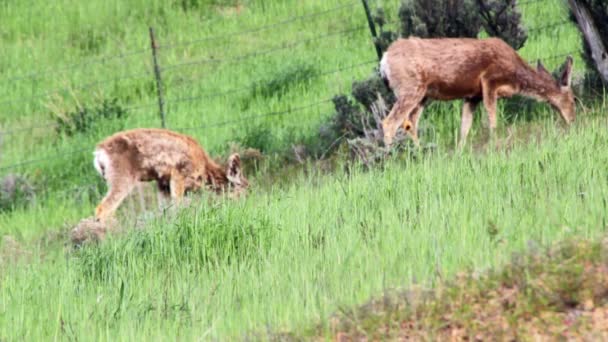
(561, 97)
(238, 184)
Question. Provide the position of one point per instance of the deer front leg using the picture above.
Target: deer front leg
(468, 109)
(411, 126)
(164, 193)
(406, 103)
(177, 186)
(118, 190)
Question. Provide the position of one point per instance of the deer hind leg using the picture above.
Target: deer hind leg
(119, 188)
(489, 101)
(468, 109)
(407, 101)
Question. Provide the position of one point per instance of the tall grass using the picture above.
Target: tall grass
(279, 259)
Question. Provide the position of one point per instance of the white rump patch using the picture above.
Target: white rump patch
(101, 162)
(385, 71)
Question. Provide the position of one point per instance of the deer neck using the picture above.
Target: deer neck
(216, 177)
(536, 85)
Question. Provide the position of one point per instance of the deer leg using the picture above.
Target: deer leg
(406, 103)
(468, 109)
(177, 186)
(411, 126)
(119, 189)
(164, 193)
(489, 102)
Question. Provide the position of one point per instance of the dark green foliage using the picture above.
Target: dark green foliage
(84, 119)
(196, 5)
(258, 136)
(366, 92)
(285, 79)
(439, 18)
(385, 38)
(281, 82)
(89, 41)
(599, 13)
(501, 18)
(463, 18)
(345, 120)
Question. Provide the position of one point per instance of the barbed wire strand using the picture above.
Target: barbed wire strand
(53, 124)
(253, 117)
(253, 85)
(46, 73)
(138, 75)
(35, 161)
(275, 48)
(260, 28)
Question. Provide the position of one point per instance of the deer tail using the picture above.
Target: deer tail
(385, 71)
(101, 161)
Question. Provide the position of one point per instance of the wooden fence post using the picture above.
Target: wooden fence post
(159, 82)
(372, 28)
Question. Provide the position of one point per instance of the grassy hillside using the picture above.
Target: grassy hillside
(288, 254)
(282, 258)
(254, 72)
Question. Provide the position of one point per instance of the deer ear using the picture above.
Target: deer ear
(540, 67)
(565, 79)
(233, 169)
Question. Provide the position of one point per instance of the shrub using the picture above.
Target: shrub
(15, 191)
(258, 137)
(500, 18)
(84, 119)
(439, 18)
(276, 85)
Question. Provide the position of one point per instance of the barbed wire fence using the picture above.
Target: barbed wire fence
(155, 71)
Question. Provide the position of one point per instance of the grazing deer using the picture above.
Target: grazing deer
(175, 161)
(475, 70)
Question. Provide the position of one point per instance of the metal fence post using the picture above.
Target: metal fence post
(372, 28)
(159, 82)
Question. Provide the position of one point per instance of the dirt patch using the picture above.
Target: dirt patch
(559, 294)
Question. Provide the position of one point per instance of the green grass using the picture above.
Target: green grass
(290, 256)
(113, 27)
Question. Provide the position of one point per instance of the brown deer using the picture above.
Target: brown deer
(418, 70)
(175, 161)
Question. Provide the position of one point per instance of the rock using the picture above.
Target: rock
(88, 230)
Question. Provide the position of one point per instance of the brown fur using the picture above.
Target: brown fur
(475, 70)
(175, 161)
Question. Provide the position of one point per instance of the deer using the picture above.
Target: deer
(476, 70)
(176, 162)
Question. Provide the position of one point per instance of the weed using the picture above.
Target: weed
(86, 118)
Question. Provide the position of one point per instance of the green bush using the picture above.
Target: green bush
(87, 118)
